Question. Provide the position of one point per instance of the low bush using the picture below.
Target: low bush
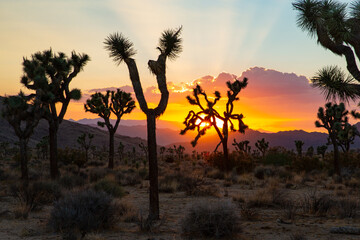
(240, 161)
(71, 181)
(278, 156)
(307, 164)
(211, 220)
(318, 204)
(96, 174)
(110, 187)
(83, 212)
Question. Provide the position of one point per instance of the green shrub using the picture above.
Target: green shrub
(82, 212)
(211, 220)
(307, 164)
(240, 161)
(278, 156)
(110, 187)
(71, 181)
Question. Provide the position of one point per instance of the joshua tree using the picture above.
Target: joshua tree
(49, 75)
(262, 145)
(346, 136)
(310, 151)
(23, 113)
(336, 29)
(85, 140)
(179, 151)
(43, 147)
(242, 146)
(121, 151)
(162, 151)
(299, 144)
(121, 49)
(117, 103)
(332, 118)
(144, 149)
(321, 150)
(208, 116)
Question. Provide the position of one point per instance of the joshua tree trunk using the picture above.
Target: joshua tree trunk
(225, 145)
(336, 157)
(54, 170)
(153, 167)
(111, 150)
(24, 159)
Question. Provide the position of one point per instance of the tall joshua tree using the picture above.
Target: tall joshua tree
(262, 145)
(332, 118)
(118, 103)
(299, 144)
(337, 29)
(49, 75)
(23, 114)
(121, 49)
(207, 116)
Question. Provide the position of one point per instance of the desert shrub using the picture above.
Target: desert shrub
(72, 156)
(215, 174)
(211, 220)
(278, 156)
(96, 163)
(3, 175)
(240, 161)
(47, 191)
(289, 209)
(298, 236)
(143, 173)
(168, 184)
(319, 204)
(248, 213)
(96, 174)
(83, 212)
(32, 196)
(110, 187)
(306, 163)
(260, 172)
(71, 181)
(347, 208)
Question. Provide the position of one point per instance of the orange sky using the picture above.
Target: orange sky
(222, 38)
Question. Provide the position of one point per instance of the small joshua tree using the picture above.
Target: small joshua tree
(85, 140)
(117, 103)
(299, 144)
(333, 118)
(179, 151)
(310, 151)
(121, 49)
(207, 116)
(346, 136)
(121, 151)
(49, 75)
(42, 147)
(23, 114)
(321, 150)
(242, 146)
(262, 145)
(144, 148)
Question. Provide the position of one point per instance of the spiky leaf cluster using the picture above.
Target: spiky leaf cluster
(335, 84)
(170, 43)
(120, 48)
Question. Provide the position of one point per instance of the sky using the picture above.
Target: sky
(222, 40)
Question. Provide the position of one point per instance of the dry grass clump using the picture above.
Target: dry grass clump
(32, 196)
(318, 204)
(110, 187)
(81, 212)
(71, 181)
(211, 220)
(298, 236)
(248, 213)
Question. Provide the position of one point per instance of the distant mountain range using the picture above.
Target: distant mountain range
(132, 132)
(168, 135)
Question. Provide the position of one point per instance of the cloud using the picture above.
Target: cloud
(272, 100)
